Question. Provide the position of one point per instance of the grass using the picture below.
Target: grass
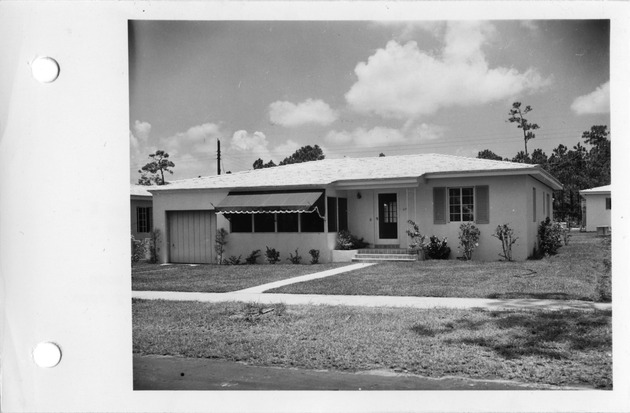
(577, 272)
(542, 347)
(215, 278)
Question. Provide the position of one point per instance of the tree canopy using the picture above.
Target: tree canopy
(304, 154)
(153, 172)
(488, 154)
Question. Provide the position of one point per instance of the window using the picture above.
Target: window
(461, 204)
(287, 222)
(332, 214)
(548, 205)
(240, 222)
(144, 219)
(264, 223)
(608, 203)
(343, 214)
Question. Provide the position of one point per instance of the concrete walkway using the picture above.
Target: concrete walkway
(307, 277)
(373, 301)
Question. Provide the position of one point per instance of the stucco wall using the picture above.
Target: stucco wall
(179, 201)
(596, 213)
(532, 225)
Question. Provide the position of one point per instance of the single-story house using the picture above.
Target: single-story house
(303, 206)
(596, 206)
(141, 212)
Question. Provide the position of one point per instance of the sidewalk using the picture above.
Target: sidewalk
(373, 301)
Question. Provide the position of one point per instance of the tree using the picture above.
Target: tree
(381, 155)
(153, 172)
(305, 154)
(516, 116)
(539, 158)
(259, 164)
(599, 155)
(522, 157)
(488, 154)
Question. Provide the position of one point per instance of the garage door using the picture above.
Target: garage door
(190, 237)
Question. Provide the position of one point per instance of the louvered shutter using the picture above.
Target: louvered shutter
(482, 200)
(439, 205)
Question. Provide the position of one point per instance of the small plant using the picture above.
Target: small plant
(549, 237)
(566, 233)
(137, 250)
(154, 246)
(295, 259)
(220, 243)
(272, 255)
(234, 260)
(417, 243)
(347, 241)
(468, 239)
(437, 249)
(505, 234)
(253, 257)
(314, 256)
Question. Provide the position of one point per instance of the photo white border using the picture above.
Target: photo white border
(64, 228)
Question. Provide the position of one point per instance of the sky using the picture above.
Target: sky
(359, 88)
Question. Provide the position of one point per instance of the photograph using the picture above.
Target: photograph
(364, 205)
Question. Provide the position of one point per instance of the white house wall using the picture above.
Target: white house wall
(596, 213)
(188, 200)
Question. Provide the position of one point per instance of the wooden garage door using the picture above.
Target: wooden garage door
(190, 237)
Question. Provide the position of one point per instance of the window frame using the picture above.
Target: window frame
(144, 219)
(608, 203)
(461, 204)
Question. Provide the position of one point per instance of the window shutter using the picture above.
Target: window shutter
(482, 204)
(439, 205)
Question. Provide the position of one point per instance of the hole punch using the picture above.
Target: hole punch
(45, 69)
(47, 354)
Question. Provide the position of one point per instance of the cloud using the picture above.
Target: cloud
(310, 111)
(598, 101)
(408, 29)
(401, 81)
(382, 136)
(198, 139)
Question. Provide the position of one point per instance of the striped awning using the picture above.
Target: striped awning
(285, 202)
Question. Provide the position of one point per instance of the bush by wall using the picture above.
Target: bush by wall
(314, 256)
(272, 255)
(347, 241)
(549, 237)
(468, 239)
(437, 249)
(505, 234)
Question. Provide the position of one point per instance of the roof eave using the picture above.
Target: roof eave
(540, 173)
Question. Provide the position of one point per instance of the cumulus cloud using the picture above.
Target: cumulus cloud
(598, 101)
(382, 136)
(310, 111)
(402, 81)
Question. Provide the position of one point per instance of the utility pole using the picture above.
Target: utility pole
(218, 156)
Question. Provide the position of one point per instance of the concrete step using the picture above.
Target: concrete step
(384, 251)
(384, 257)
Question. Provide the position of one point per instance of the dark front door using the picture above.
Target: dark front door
(387, 216)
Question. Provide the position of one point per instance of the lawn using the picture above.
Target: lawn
(563, 348)
(215, 278)
(577, 272)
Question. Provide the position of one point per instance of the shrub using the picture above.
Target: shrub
(154, 246)
(505, 234)
(468, 239)
(220, 243)
(603, 292)
(417, 239)
(549, 237)
(272, 255)
(295, 259)
(234, 260)
(437, 249)
(314, 256)
(137, 250)
(347, 241)
(253, 257)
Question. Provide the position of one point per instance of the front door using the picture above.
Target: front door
(387, 217)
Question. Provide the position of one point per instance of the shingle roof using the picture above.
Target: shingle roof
(598, 190)
(140, 190)
(328, 171)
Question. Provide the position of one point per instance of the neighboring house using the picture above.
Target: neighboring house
(141, 212)
(596, 207)
(303, 206)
